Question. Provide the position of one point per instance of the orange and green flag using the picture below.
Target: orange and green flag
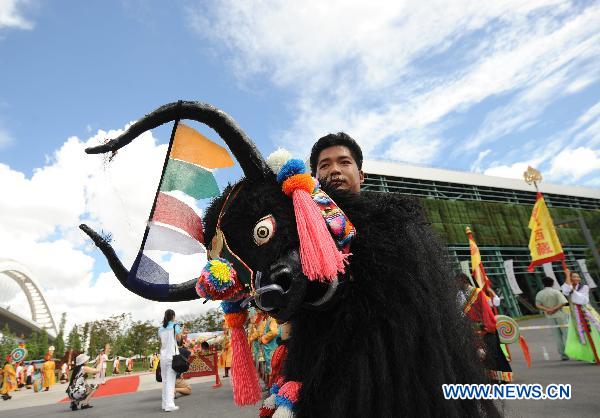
(544, 245)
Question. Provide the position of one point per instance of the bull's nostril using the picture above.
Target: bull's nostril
(282, 277)
(272, 299)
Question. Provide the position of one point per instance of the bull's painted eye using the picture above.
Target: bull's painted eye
(264, 230)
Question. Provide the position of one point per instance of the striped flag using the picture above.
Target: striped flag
(173, 225)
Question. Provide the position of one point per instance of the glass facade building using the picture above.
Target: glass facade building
(498, 211)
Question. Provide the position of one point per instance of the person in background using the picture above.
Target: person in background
(48, 377)
(129, 365)
(9, 379)
(254, 339)
(29, 375)
(551, 302)
(155, 361)
(182, 387)
(169, 332)
(116, 365)
(20, 370)
(37, 378)
(477, 309)
(79, 391)
(583, 337)
(101, 363)
(205, 348)
(227, 351)
(268, 334)
(64, 372)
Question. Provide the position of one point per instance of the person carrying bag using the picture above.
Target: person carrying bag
(170, 358)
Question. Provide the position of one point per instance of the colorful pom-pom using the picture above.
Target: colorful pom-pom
(218, 280)
(298, 182)
(277, 159)
(291, 167)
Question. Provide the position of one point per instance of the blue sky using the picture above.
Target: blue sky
(456, 85)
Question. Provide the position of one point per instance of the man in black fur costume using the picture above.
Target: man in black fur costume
(378, 341)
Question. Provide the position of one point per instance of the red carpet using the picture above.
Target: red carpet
(116, 386)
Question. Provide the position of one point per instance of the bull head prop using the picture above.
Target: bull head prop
(274, 238)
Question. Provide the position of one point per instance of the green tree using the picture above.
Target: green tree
(8, 342)
(85, 333)
(43, 344)
(142, 338)
(108, 331)
(211, 320)
(74, 339)
(59, 342)
(593, 223)
(33, 346)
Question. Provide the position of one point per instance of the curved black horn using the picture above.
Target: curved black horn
(177, 292)
(242, 147)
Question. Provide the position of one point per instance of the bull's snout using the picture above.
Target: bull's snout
(281, 289)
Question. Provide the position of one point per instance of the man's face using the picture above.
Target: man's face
(336, 166)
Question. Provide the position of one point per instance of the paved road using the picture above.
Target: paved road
(583, 377)
(208, 402)
(204, 402)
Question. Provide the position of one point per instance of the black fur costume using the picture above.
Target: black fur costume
(393, 332)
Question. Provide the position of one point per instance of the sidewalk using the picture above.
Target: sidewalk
(27, 397)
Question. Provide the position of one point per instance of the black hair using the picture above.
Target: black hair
(169, 315)
(548, 281)
(331, 140)
(204, 345)
(74, 373)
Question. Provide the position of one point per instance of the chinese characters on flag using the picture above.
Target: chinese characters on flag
(543, 243)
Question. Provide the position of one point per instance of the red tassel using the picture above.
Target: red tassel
(525, 349)
(277, 361)
(246, 389)
(320, 257)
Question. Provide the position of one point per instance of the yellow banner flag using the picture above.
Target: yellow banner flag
(191, 146)
(476, 266)
(543, 243)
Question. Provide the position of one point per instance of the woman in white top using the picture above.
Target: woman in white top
(168, 334)
(583, 337)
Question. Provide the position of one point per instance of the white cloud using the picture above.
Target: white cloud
(476, 166)
(11, 15)
(513, 171)
(408, 69)
(576, 163)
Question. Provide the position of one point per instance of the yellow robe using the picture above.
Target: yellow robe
(227, 352)
(9, 381)
(48, 377)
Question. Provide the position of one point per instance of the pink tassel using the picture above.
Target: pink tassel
(320, 257)
(246, 390)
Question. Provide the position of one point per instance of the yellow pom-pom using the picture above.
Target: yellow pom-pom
(220, 271)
